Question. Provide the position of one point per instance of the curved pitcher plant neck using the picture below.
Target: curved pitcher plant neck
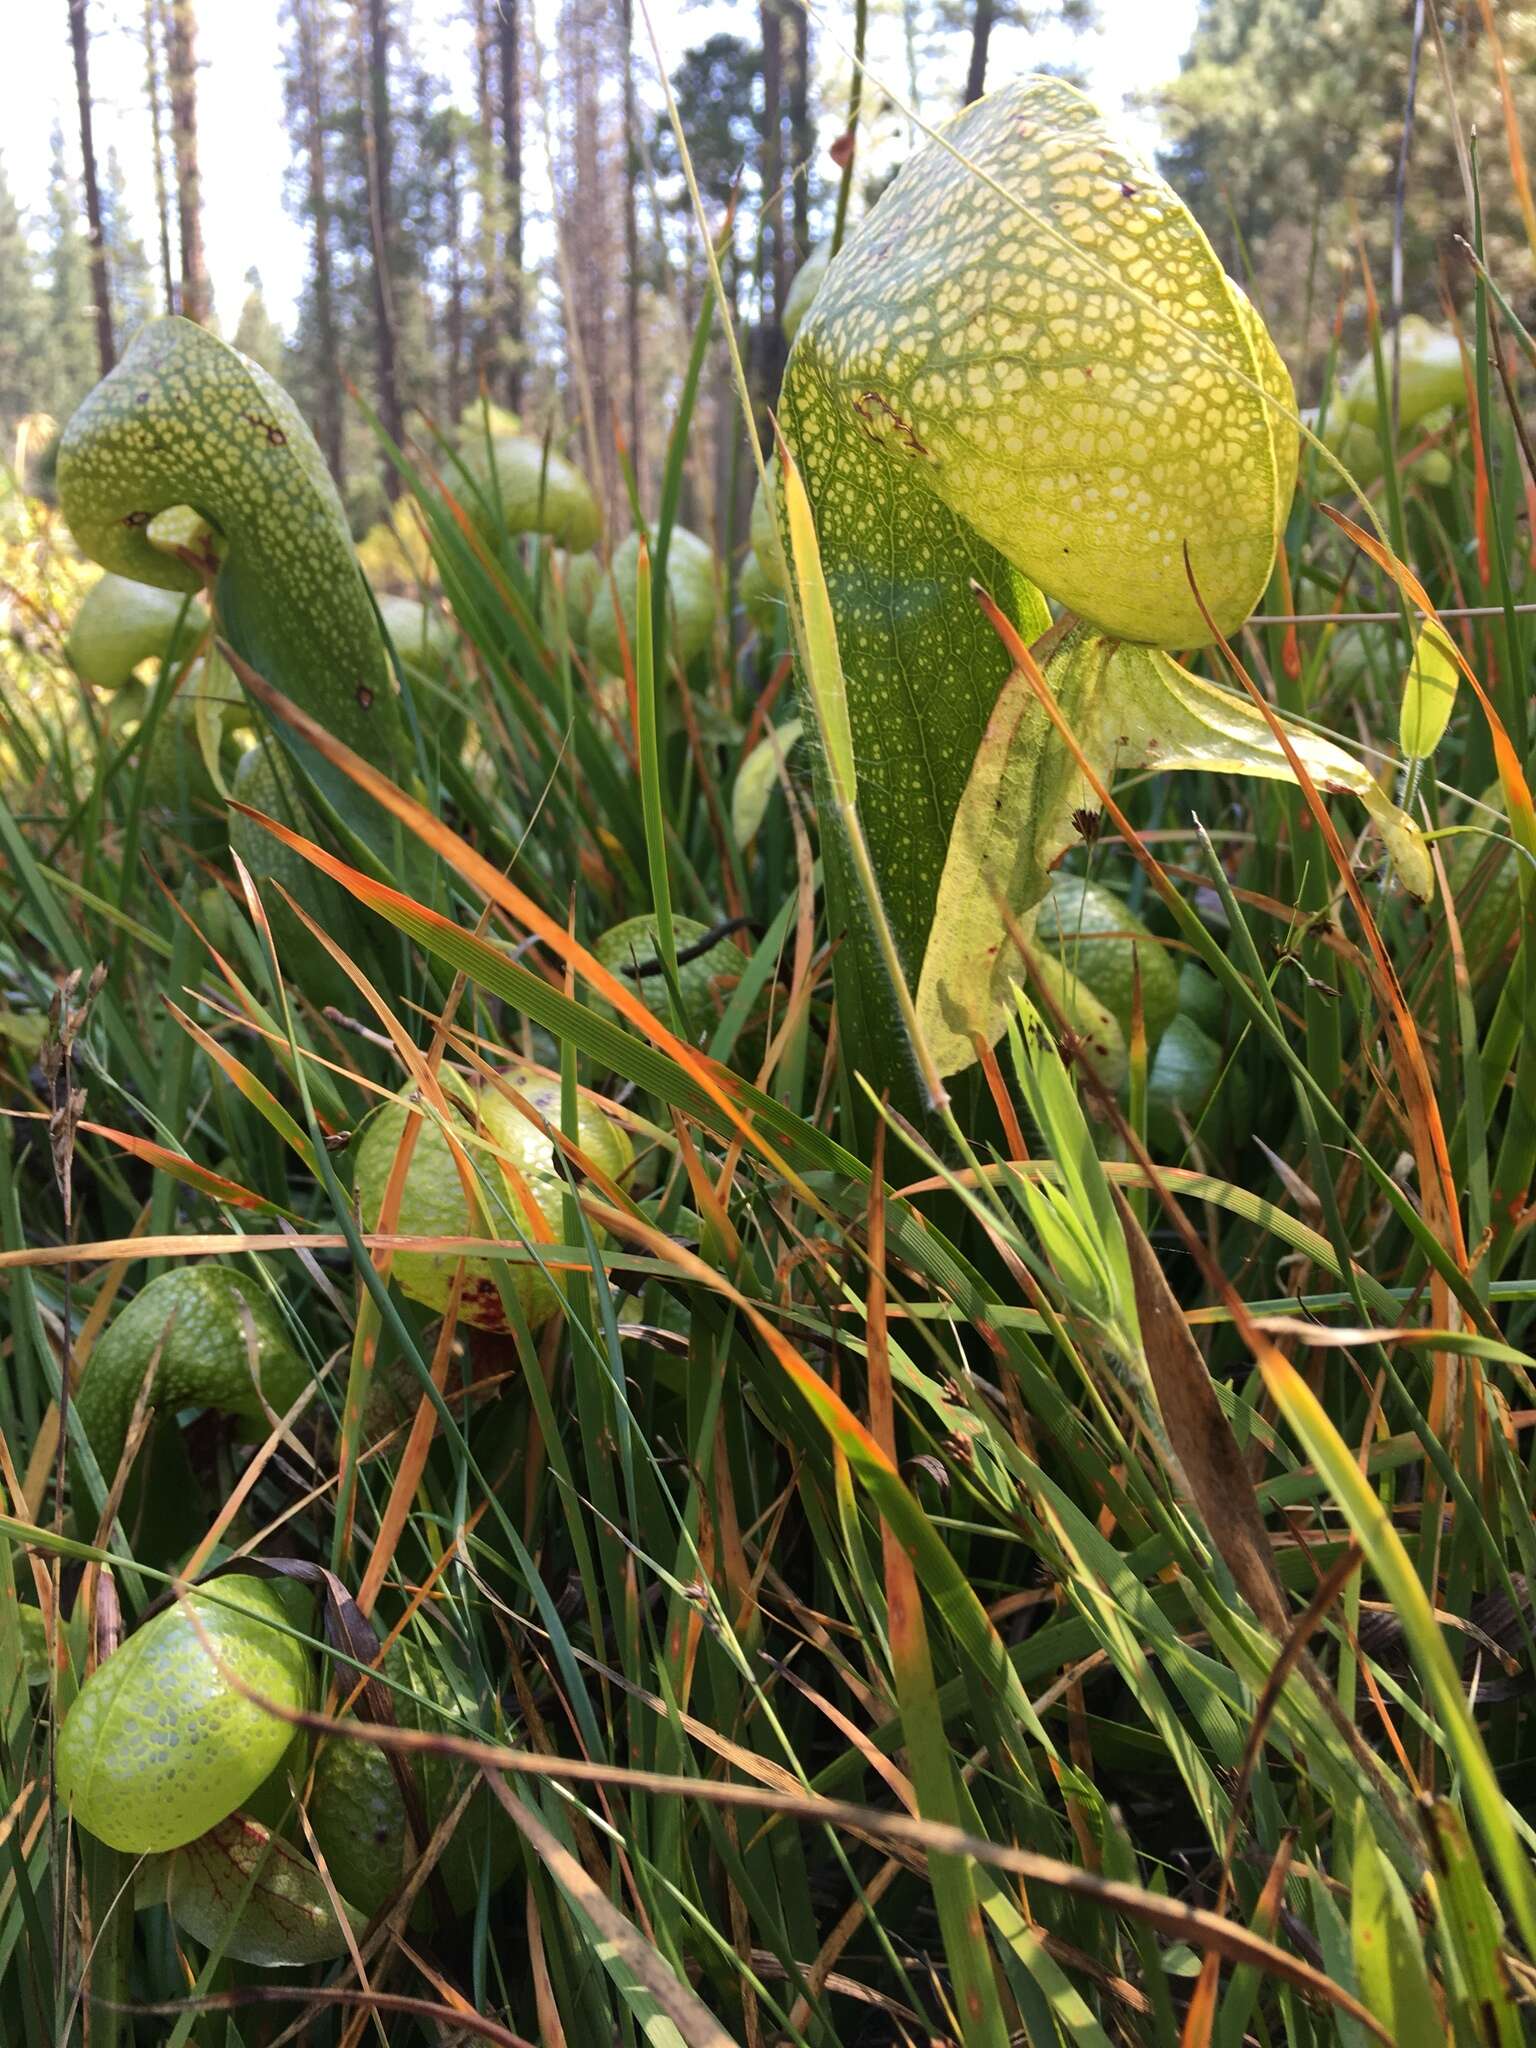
(1027, 370)
(188, 465)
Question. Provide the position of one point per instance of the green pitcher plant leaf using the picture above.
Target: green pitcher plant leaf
(184, 420)
(1129, 707)
(189, 466)
(121, 623)
(1026, 369)
(1429, 691)
(244, 1891)
(756, 780)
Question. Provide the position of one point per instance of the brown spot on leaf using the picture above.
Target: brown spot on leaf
(480, 1303)
(276, 438)
(880, 419)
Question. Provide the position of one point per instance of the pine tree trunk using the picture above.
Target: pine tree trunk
(981, 36)
(773, 164)
(765, 353)
(454, 227)
(153, 23)
(328, 396)
(488, 173)
(79, 37)
(510, 45)
(632, 244)
(196, 301)
(380, 199)
(591, 232)
(802, 132)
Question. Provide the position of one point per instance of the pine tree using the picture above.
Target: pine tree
(632, 246)
(426, 171)
(773, 271)
(195, 297)
(317, 363)
(443, 135)
(588, 168)
(23, 317)
(509, 52)
(714, 86)
(485, 341)
(80, 47)
(257, 335)
(982, 23)
(802, 132)
(378, 142)
(128, 267)
(68, 364)
(1290, 112)
(930, 36)
(154, 38)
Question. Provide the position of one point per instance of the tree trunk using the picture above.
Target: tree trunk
(380, 191)
(454, 228)
(487, 172)
(981, 36)
(152, 20)
(803, 135)
(773, 165)
(632, 244)
(510, 47)
(591, 234)
(106, 353)
(328, 395)
(196, 301)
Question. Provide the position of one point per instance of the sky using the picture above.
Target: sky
(243, 145)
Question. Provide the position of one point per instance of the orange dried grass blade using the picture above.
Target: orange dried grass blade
(243, 997)
(498, 889)
(1481, 495)
(1290, 646)
(203, 1178)
(423, 1069)
(546, 2008)
(1426, 1128)
(465, 1044)
(255, 1090)
(1002, 1101)
(1201, 2016)
(277, 1437)
(711, 1209)
(1161, 1180)
(413, 1459)
(1433, 1157)
(268, 1035)
(1519, 176)
(207, 1244)
(735, 1565)
(1516, 790)
(11, 1485)
(690, 1622)
(1522, 819)
(40, 1464)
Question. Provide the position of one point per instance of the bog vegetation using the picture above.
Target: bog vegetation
(774, 1285)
